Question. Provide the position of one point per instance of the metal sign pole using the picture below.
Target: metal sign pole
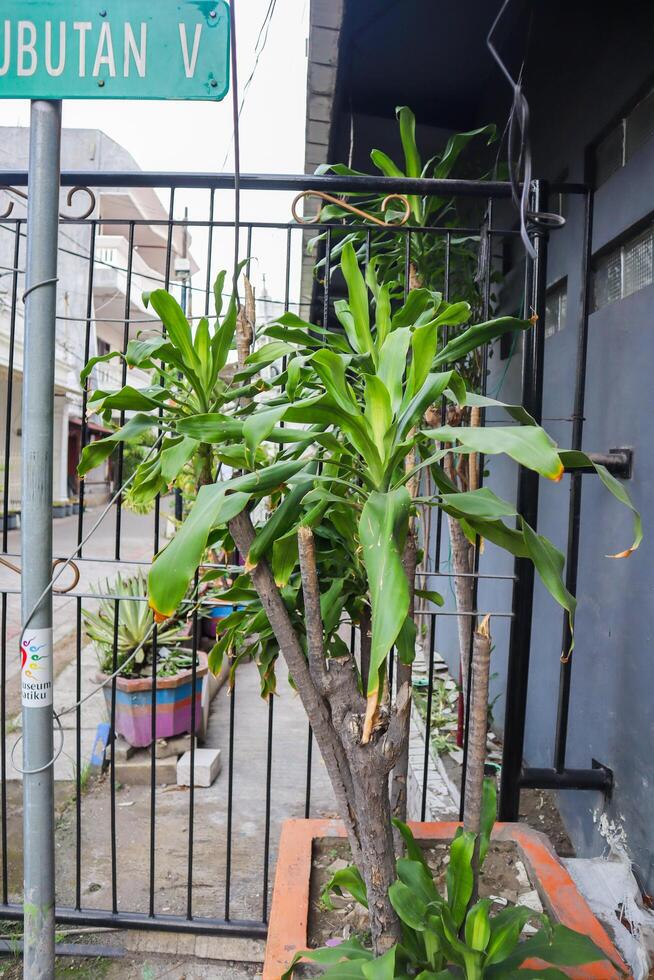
(37, 463)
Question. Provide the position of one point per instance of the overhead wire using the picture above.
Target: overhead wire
(519, 148)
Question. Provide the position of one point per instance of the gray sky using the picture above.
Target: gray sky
(196, 136)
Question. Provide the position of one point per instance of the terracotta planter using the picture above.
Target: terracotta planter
(289, 916)
(174, 698)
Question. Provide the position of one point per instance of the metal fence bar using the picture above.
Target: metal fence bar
(189, 920)
(576, 482)
(527, 505)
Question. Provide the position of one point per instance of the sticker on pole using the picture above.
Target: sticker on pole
(36, 668)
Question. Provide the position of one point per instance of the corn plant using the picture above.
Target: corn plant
(188, 378)
(427, 250)
(338, 447)
(450, 936)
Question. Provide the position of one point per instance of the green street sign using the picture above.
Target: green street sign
(114, 49)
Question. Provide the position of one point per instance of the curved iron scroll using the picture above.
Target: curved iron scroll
(69, 202)
(55, 565)
(302, 220)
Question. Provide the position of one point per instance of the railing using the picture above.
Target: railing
(210, 868)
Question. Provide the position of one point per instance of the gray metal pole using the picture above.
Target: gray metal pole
(37, 463)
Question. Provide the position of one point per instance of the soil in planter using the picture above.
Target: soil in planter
(504, 879)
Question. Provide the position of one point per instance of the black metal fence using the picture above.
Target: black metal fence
(195, 861)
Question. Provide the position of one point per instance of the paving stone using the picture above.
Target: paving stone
(207, 767)
(137, 771)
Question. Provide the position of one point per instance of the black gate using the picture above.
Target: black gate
(108, 256)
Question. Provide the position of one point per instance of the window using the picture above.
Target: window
(624, 139)
(625, 269)
(556, 308)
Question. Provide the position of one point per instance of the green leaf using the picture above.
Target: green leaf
(419, 302)
(99, 359)
(406, 641)
(549, 563)
(488, 816)
(557, 945)
(177, 327)
(217, 654)
(576, 460)
(479, 503)
(382, 968)
(392, 364)
(350, 950)
(349, 880)
(384, 163)
(453, 314)
(174, 567)
(528, 445)
(418, 879)
(330, 368)
(285, 558)
(459, 876)
(278, 524)
(378, 412)
(423, 351)
(410, 907)
(212, 427)
(258, 426)
(477, 926)
(506, 928)
(411, 156)
(383, 528)
(517, 412)
(431, 596)
(430, 392)
(130, 399)
(223, 340)
(358, 300)
(382, 314)
(264, 357)
(175, 457)
(413, 849)
(96, 452)
(477, 336)
(455, 146)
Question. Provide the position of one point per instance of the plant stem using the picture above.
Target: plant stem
(477, 739)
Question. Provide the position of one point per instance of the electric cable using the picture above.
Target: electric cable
(519, 149)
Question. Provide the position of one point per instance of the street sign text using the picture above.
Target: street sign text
(118, 49)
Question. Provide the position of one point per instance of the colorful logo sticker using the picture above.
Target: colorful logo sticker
(36, 668)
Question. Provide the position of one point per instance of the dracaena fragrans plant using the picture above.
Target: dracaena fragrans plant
(339, 447)
(453, 935)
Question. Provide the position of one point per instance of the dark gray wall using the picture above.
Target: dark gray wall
(585, 61)
(574, 93)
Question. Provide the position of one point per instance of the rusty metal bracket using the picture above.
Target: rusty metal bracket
(55, 565)
(342, 203)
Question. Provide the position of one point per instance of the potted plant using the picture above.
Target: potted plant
(60, 508)
(134, 659)
(338, 541)
(452, 930)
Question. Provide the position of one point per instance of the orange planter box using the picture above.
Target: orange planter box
(289, 916)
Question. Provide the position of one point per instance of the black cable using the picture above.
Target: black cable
(519, 150)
